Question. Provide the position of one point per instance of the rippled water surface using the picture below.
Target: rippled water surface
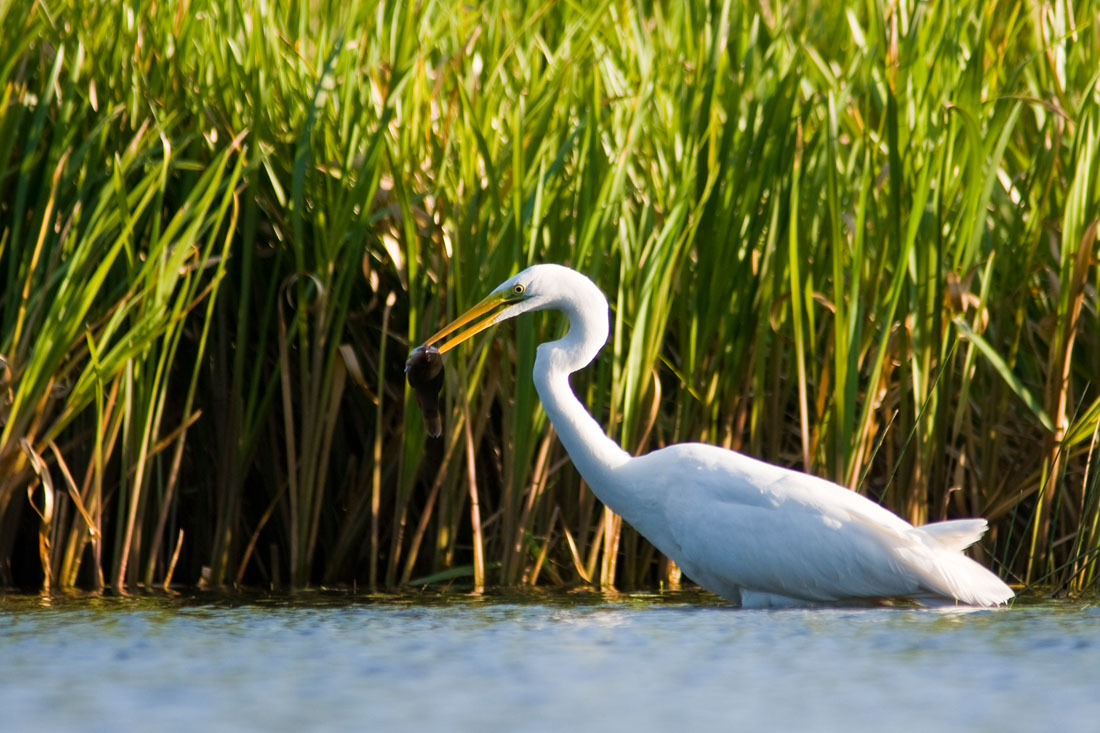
(573, 662)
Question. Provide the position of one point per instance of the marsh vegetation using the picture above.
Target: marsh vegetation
(860, 241)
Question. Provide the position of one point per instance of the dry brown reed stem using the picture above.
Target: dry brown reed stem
(475, 507)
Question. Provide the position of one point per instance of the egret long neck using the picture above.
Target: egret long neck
(593, 453)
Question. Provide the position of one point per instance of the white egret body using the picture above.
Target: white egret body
(756, 534)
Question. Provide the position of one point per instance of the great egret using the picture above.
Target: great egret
(756, 534)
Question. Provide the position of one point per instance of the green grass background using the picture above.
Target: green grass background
(856, 239)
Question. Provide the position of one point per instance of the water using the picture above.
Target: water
(568, 662)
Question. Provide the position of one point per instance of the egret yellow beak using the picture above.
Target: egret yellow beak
(483, 309)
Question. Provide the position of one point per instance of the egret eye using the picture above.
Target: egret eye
(518, 289)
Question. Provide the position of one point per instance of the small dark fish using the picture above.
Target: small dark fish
(424, 370)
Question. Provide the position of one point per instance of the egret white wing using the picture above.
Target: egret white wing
(735, 524)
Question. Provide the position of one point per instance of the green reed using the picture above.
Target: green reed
(860, 241)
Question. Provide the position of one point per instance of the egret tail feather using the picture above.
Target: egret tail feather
(955, 534)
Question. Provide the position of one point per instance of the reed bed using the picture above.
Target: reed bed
(860, 241)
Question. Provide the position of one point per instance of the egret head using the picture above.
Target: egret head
(536, 288)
